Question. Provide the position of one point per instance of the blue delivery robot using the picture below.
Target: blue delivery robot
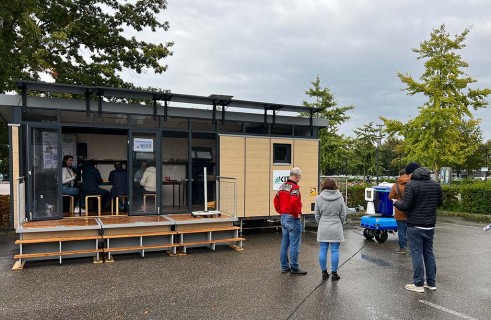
(380, 213)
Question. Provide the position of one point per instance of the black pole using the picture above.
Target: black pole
(376, 163)
(487, 168)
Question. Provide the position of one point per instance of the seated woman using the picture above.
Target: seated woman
(149, 181)
(91, 179)
(68, 179)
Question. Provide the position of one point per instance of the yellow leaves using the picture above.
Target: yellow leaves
(59, 36)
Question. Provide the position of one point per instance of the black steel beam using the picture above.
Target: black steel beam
(24, 98)
(87, 102)
(154, 108)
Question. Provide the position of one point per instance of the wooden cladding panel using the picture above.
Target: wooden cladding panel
(250, 160)
(232, 164)
(257, 187)
(306, 157)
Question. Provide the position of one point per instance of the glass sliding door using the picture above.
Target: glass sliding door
(145, 173)
(175, 155)
(44, 193)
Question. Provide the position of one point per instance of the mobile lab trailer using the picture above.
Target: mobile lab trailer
(245, 140)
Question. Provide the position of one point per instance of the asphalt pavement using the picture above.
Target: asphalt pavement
(249, 285)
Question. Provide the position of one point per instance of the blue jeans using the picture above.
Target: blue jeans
(291, 229)
(402, 233)
(421, 244)
(69, 190)
(324, 246)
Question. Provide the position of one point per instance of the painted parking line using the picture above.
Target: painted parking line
(455, 313)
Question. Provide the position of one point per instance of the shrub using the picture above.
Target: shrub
(4, 211)
(451, 197)
(476, 197)
(356, 196)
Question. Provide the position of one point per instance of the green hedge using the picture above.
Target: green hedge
(4, 211)
(476, 197)
(356, 196)
(451, 197)
(468, 197)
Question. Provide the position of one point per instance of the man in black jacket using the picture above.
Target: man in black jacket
(420, 199)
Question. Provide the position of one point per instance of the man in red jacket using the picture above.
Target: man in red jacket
(288, 203)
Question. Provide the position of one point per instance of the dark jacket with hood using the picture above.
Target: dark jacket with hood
(421, 197)
(119, 179)
(91, 178)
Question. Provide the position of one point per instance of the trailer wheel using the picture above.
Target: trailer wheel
(381, 236)
(368, 233)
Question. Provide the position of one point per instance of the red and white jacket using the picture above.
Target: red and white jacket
(288, 199)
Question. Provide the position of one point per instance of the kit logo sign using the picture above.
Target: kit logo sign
(279, 177)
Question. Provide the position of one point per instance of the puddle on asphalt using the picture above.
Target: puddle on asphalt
(377, 261)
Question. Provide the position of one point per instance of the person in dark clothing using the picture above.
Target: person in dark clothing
(91, 179)
(420, 199)
(119, 179)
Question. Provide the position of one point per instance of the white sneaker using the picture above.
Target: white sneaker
(428, 287)
(412, 287)
(77, 210)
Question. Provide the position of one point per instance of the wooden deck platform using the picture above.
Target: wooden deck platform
(111, 235)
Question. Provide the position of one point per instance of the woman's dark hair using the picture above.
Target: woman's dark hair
(65, 159)
(329, 184)
(402, 172)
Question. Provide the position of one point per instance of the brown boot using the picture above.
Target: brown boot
(401, 251)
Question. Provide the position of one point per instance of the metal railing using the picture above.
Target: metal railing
(226, 191)
(342, 183)
(20, 199)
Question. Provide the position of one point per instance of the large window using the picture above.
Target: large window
(282, 153)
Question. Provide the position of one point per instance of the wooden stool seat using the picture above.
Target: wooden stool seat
(147, 195)
(116, 203)
(72, 203)
(99, 207)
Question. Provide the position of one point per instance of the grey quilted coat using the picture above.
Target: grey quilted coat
(330, 215)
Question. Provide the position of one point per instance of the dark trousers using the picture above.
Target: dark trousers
(421, 245)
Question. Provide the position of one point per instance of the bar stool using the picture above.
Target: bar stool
(98, 197)
(154, 195)
(72, 203)
(116, 203)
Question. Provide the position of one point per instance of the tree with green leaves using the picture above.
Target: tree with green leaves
(392, 156)
(369, 137)
(330, 142)
(85, 42)
(436, 137)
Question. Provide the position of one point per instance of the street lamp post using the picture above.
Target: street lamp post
(378, 139)
(487, 168)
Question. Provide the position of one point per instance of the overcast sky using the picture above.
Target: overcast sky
(270, 50)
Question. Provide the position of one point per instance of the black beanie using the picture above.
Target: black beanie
(411, 167)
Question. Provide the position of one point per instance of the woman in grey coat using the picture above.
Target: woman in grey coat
(330, 215)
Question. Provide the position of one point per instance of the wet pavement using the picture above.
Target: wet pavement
(230, 285)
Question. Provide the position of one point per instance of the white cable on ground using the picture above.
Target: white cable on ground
(322, 282)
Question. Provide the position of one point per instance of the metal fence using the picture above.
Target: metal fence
(226, 195)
